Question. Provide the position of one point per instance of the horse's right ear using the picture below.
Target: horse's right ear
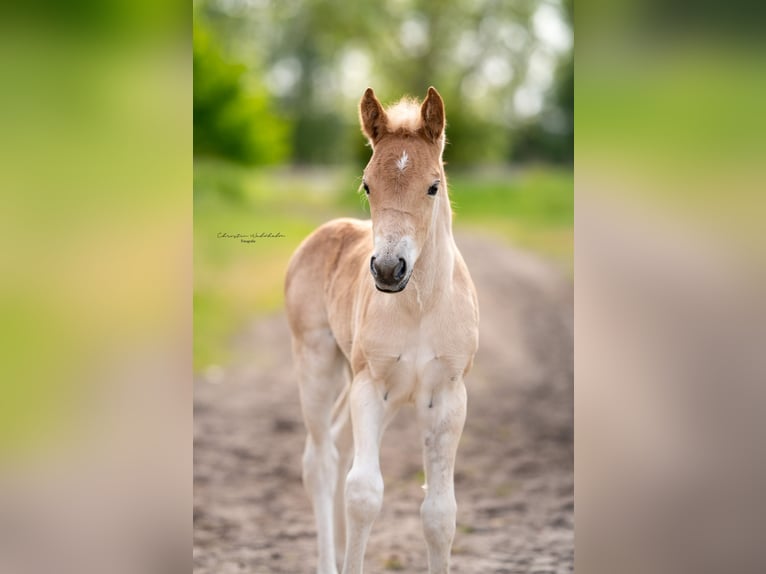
(372, 116)
(432, 113)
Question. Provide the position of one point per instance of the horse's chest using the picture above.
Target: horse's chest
(412, 361)
(402, 365)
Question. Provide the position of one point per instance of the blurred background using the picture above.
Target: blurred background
(278, 149)
(277, 144)
(96, 291)
(669, 312)
(95, 286)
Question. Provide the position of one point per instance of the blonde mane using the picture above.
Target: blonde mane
(404, 116)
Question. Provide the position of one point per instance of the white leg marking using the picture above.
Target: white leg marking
(320, 374)
(319, 478)
(441, 426)
(344, 441)
(364, 483)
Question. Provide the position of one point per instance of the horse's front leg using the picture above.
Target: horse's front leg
(364, 483)
(441, 414)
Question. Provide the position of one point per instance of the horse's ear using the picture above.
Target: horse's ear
(372, 116)
(432, 112)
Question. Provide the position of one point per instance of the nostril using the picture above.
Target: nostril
(400, 270)
(373, 269)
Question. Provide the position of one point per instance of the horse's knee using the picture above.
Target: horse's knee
(364, 494)
(438, 516)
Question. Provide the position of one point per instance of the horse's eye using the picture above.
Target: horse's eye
(433, 189)
(366, 188)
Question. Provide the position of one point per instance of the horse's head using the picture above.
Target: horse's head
(404, 182)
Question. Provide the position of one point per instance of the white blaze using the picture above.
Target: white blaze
(401, 163)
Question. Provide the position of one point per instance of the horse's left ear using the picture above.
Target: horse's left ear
(372, 116)
(432, 112)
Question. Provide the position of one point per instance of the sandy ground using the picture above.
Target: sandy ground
(514, 478)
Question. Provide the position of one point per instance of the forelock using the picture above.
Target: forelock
(404, 116)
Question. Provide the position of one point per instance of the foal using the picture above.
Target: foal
(384, 313)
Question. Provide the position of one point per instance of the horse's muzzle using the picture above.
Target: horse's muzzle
(390, 275)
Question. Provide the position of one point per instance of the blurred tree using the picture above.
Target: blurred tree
(494, 61)
(232, 113)
(550, 135)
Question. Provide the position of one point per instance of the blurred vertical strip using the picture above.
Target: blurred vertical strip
(669, 275)
(95, 286)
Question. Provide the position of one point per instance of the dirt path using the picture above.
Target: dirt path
(514, 480)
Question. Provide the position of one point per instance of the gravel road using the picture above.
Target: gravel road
(514, 478)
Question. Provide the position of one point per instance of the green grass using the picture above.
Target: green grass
(532, 208)
(235, 281)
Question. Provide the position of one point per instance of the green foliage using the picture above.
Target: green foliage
(551, 136)
(235, 281)
(318, 139)
(531, 208)
(317, 56)
(473, 141)
(233, 116)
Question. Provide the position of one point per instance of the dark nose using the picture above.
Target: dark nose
(389, 271)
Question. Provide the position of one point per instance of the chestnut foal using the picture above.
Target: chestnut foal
(384, 313)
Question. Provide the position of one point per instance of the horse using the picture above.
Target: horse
(383, 313)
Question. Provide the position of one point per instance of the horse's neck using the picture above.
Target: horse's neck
(435, 266)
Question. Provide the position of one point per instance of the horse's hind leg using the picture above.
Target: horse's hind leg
(321, 367)
(344, 442)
